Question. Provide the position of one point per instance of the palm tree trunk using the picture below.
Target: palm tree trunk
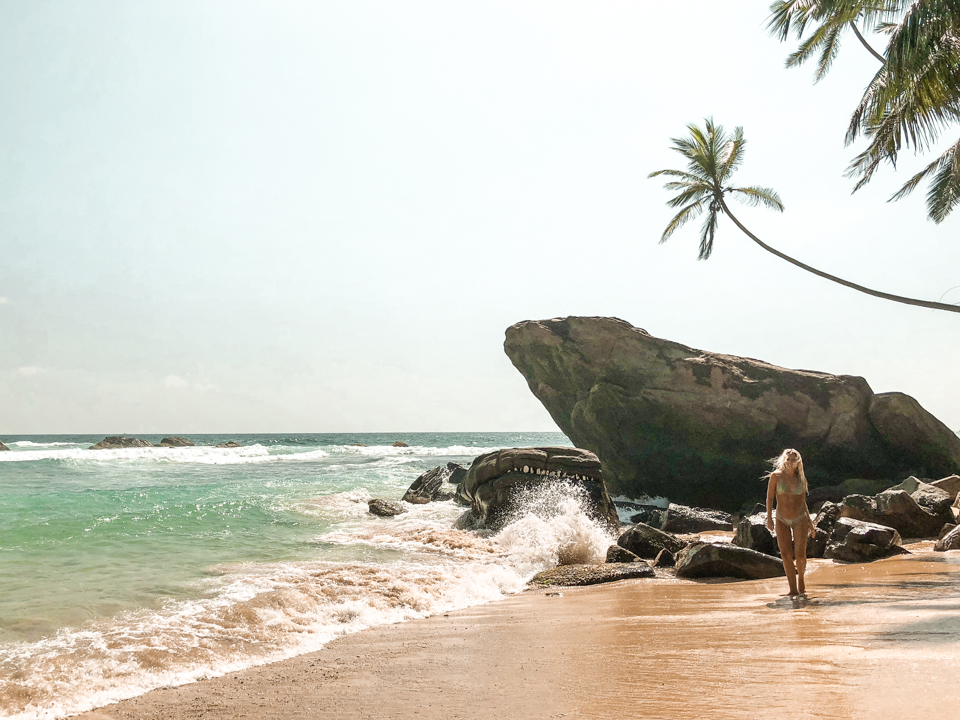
(834, 278)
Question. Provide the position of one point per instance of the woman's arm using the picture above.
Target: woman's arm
(771, 494)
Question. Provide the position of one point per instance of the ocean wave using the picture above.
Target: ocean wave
(29, 443)
(249, 454)
(416, 450)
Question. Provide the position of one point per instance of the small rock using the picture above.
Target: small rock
(617, 554)
(356, 445)
(950, 541)
(572, 575)
(176, 441)
(400, 443)
(701, 560)
(229, 444)
(647, 542)
(4, 447)
(752, 533)
(115, 442)
(683, 519)
(947, 528)
(385, 508)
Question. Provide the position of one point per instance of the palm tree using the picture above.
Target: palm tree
(712, 158)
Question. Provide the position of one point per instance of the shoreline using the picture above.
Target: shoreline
(874, 640)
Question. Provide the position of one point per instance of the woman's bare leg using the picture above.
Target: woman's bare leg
(800, 555)
(785, 543)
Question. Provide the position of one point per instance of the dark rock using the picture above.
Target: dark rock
(752, 533)
(385, 508)
(695, 426)
(496, 482)
(859, 541)
(700, 560)
(617, 554)
(4, 448)
(651, 515)
(176, 441)
(896, 509)
(647, 542)
(571, 575)
(229, 444)
(464, 522)
(115, 442)
(950, 541)
(683, 519)
(457, 473)
(665, 558)
(429, 487)
(824, 524)
(946, 530)
(950, 485)
(400, 443)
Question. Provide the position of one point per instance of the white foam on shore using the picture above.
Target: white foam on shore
(258, 613)
(203, 455)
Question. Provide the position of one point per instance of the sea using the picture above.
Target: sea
(126, 570)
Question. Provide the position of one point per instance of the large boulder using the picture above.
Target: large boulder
(116, 442)
(858, 541)
(701, 560)
(666, 419)
(899, 510)
(752, 533)
(683, 519)
(824, 524)
(4, 447)
(497, 481)
(175, 441)
(648, 542)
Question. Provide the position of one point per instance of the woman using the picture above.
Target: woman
(788, 485)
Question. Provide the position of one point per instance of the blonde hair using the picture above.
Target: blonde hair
(781, 460)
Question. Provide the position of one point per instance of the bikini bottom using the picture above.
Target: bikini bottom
(792, 522)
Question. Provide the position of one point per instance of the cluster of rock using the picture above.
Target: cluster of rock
(669, 420)
(117, 442)
(435, 485)
(3, 447)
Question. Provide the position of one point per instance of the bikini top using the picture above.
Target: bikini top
(784, 490)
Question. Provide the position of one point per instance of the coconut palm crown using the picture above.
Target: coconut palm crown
(712, 158)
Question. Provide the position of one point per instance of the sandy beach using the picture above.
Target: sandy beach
(880, 640)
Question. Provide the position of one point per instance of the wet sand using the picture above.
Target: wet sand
(871, 641)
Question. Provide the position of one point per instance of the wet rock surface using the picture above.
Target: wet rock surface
(859, 541)
(116, 442)
(176, 441)
(695, 426)
(4, 448)
(617, 554)
(574, 575)
(385, 508)
(429, 487)
(899, 510)
(705, 560)
(752, 533)
(647, 542)
(950, 541)
(496, 482)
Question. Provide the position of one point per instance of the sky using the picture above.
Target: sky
(229, 216)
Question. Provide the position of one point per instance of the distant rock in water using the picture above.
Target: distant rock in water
(400, 443)
(4, 447)
(116, 442)
(695, 426)
(385, 508)
(356, 445)
(229, 444)
(496, 480)
(176, 441)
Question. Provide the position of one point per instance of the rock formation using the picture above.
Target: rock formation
(701, 560)
(617, 554)
(695, 426)
(572, 575)
(950, 541)
(752, 533)
(175, 441)
(496, 480)
(229, 444)
(4, 447)
(899, 510)
(858, 541)
(429, 486)
(115, 442)
(649, 542)
(385, 508)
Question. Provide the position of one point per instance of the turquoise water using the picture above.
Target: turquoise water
(123, 570)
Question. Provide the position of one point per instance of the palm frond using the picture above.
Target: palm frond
(685, 215)
(755, 196)
(707, 233)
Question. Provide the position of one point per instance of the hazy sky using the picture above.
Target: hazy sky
(319, 217)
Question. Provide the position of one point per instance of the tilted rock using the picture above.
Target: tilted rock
(752, 533)
(824, 524)
(647, 542)
(497, 480)
(385, 508)
(617, 554)
(859, 541)
(4, 447)
(896, 509)
(176, 441)
(950, 541)
(429, 487)
(701, 560)
(682, 519)
(950, 485)
(946, 530)
(457, 473)
(116, 442)
(229, 444)
(572, 575)
(695, 426)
